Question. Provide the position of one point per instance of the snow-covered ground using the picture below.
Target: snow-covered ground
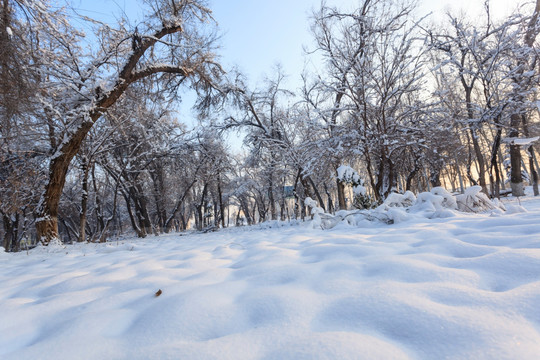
(462, 287)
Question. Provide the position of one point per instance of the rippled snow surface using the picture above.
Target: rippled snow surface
(463, 287)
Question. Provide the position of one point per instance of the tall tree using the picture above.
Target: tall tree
(170, 45)
(370, 87)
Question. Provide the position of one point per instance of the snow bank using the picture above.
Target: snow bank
(461, 287)
(438, 203)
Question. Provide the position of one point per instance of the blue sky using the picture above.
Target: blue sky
(257, 34)
(260, 34)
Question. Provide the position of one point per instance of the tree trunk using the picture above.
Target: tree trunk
(47, 209)
(329, 197)
(140, 233)
(495, 183)
(385, 177)
(296, 197)
(534, 173)
(221, 205)
(11, 238)
(480, 161)
(435, 177)
(342, 204)
(169, 222)
(317, 193)
(273, 214)
(460, 177)
(201, 209)
(516, 179)
(412, 174)
(530, 150)
(99, 210)
(515, 153)
(157, 181)
(85, 167)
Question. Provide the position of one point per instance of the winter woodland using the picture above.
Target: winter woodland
(92, 145)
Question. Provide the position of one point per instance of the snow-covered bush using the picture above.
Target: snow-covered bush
(449, 201)
(361, 199)
(474, 200)
(313, 205)
(316, 211)
(396, 208)
(400, 200)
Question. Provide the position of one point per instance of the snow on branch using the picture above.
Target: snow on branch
(160, 68)
(520, 141)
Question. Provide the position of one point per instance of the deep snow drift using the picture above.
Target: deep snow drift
(460, 287)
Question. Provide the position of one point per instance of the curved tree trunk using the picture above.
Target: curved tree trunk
(90, 111)
(47, 209)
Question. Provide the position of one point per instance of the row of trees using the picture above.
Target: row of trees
(92, 144)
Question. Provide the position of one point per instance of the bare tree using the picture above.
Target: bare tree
(79, 87)
(372, 85)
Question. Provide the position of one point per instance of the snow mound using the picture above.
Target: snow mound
(437, 203)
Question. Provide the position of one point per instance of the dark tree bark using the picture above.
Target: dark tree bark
(474, 138)
(412, 174)
(140, 233)
(201, 208)
(342, 203)
(85, 167)
(11, 226)
(317, 193)
(516, 179)
(495, 183)
(221, 205)
(329, 197)
(99, 208)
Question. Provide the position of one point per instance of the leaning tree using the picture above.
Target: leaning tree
(172, 45)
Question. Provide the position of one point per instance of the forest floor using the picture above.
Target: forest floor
(459, 287)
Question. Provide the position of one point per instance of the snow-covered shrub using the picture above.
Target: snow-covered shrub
(348, 175)
(498, 204)
(316, 211)
(313, 205)
(431, 205)
(449, 201)
(361, 199)
(474, 200)
(400, 200)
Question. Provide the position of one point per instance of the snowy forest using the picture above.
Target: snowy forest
(93, 145)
